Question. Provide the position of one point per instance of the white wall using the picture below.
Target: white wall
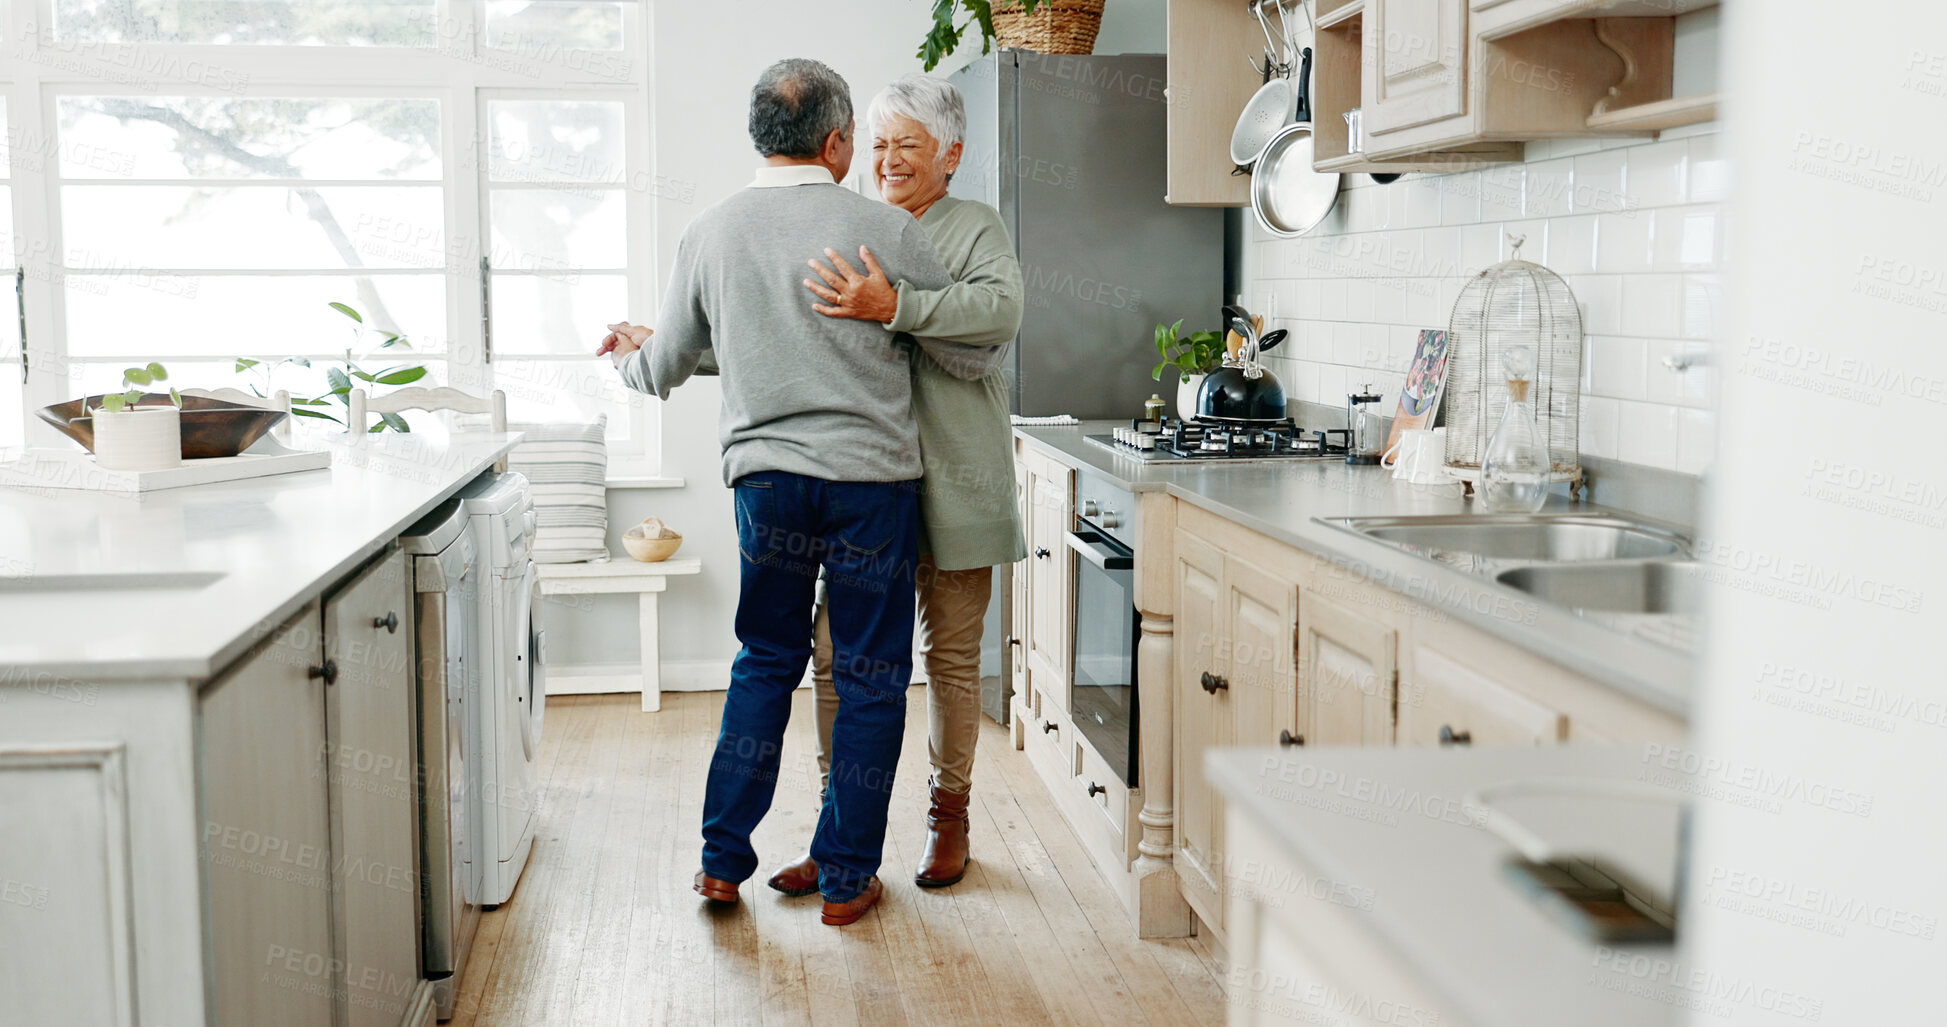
(1634, 226)
(706, 57)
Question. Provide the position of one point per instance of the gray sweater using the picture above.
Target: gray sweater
(829, 398)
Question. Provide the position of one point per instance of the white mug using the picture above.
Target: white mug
(1420, 457)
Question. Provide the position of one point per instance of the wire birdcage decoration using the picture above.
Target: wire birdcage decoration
(1514, 303)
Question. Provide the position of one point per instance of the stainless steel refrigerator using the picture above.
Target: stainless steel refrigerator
(1071, 151)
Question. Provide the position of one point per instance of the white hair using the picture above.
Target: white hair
(933, 102)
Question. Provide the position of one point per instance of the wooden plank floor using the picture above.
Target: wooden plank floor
(605, 930)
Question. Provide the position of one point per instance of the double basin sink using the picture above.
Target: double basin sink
(1590, 563)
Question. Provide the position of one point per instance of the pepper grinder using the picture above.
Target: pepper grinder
(1362, 422)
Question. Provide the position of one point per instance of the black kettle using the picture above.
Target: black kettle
(1244, 392)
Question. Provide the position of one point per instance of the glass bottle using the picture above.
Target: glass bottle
(1516, 468)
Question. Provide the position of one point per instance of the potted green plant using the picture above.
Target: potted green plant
(339, 382)
(1190, 358)
(1043, 26)
(139, 438)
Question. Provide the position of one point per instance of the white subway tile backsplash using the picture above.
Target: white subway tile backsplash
(1375, 348)
(1571, 244)
(1599, 428)
(1685, 238)
(1703, 298)
(1601, 300)
(1652, 305)
(1656, 173)
(1710, 171)
(1600, 179)
(1440, 250)
(1346, 338)
(1359, 305)
(1616, 367)
(1623, 243)
(1460, 200)
(1696, 440)
(1480, 245)
(1547, 189)
(1422, 201)
(1502, 190)
(1648, 434)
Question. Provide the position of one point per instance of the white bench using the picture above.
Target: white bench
(621, 576)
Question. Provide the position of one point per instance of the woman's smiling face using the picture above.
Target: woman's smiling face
(907, 165)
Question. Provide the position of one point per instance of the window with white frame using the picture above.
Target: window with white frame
(309, 194)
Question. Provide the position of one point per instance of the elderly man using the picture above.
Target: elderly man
(822, 452)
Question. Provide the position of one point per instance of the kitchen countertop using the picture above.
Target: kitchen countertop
(1280, 499)
(255, 551)
(1399, 836)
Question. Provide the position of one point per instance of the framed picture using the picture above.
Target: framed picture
(1426, 379)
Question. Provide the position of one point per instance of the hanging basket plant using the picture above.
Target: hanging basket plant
(1043, 26)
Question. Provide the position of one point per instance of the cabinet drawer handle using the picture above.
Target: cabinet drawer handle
(390, 622)
(1287, 739)
(1448, 736)
(329, 672)
(1095, 789)
(1047, 726)
(1212, 683)
(1041, 553)
(1011, 640)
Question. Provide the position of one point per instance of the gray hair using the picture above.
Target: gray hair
(933, 102)
(795, 105)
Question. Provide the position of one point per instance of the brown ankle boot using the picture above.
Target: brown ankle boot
(797, 878)
(944, 860)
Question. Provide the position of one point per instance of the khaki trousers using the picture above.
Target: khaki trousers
(952, 609)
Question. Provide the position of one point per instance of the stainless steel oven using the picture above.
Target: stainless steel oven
(1103, 699)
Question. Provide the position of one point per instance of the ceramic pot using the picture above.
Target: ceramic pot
(142, 439)
(1186, 396)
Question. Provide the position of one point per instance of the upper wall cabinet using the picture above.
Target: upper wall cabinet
(1416, 71)
(1210, 82)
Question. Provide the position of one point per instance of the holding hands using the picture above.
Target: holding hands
(623, 339)
(848, 293)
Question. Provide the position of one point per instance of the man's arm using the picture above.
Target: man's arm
(682, 337)
(920, 267)
(983, 308)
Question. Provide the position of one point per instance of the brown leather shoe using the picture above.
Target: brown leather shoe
(795, 879)
(944, 859)
(715, 890)
(838, 914)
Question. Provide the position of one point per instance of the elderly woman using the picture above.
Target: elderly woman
(967, 506)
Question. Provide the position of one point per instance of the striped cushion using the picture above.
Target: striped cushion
(567, 465)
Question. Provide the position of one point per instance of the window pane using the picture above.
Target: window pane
(555, 141)
(551, 30)
(127, 313)
(566, 390)
(252, 227)
(9, 251)
(538, 314)
(235, 137)
(555, 232)
(13, 417)
(261, 22)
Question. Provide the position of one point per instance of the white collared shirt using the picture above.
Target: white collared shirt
(784, 176)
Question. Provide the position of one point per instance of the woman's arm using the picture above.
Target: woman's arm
(983, 307)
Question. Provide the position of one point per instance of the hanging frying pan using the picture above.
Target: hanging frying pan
(1288, 197)
(1272, 106)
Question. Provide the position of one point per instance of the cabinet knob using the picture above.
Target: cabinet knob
(1287, 739)
(1095, 789)
(1047, 726)
(1013, 641)
(1448, 736)
(390, 622)
(1213, 683)
(1041, 554)
(329, 672)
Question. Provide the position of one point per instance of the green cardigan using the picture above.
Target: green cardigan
(966, 444)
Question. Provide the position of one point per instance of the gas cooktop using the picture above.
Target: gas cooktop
(1200, 441)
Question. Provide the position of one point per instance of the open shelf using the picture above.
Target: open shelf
(1507, 17)
(1654, 117)
(1328, 16)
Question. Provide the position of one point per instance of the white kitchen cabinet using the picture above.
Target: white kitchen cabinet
(1346, 674)
(1209, 84)
(1023, 602)
(266, 831)
(1415, 63)
(1050, 570)
(1203, 719)
(1452, 703)
(369, 710)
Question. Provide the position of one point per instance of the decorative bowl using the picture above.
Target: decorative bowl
(651, 542)
(211, 427)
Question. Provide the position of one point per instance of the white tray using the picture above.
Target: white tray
(39, 468)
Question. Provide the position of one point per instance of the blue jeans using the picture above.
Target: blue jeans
(866, 536)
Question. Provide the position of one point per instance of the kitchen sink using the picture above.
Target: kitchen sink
(1655, 587)
(1562, 538)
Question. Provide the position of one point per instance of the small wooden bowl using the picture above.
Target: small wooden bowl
(651, 550)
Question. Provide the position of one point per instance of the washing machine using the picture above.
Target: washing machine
(508, 704)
